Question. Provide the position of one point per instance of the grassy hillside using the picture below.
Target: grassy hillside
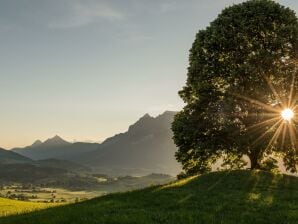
(221, 197)
(9, 207)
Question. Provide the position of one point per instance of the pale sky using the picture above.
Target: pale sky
(87, 69)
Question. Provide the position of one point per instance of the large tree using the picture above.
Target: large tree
(241, 75)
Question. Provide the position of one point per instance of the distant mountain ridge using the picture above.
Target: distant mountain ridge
(55, 148)
(9, 157)
(146, 147)
(56, 140)
(36, 143)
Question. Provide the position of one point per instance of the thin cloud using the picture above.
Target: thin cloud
(168, 7)
(84, 14)
(134, 36)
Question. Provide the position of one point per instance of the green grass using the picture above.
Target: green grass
(221, 197)
(12, 207)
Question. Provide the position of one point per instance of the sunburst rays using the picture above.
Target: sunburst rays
(278, 120)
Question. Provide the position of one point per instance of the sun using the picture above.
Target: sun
(287, 114)
(279, 118)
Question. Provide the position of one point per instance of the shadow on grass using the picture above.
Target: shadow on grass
(220, 197)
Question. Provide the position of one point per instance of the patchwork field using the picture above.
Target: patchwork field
(35, 193)
(47, 195)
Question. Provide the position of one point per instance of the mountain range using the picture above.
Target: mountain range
(146, 147)
(9, 157)
(55, 147)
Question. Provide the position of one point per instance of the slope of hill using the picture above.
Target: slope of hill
(28, 173)
(55, 148)
(62, 164)
(220, 197)
(146, 147)
(9, 157)
(17, 168)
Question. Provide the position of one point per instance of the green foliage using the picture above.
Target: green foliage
(233, 162)
(181, 176)
(270, 164)
(222, 197)
(247, 50)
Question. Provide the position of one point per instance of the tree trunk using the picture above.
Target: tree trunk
(254, 161)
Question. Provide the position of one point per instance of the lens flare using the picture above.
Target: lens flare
(279, 123)
(287, 114)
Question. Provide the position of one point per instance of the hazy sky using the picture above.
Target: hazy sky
(87, 69)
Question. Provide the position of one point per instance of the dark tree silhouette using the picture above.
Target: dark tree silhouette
(242, 73)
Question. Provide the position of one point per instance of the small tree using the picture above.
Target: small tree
(242, 71)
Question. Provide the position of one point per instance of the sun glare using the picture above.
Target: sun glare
(287, 114)
(281, 117)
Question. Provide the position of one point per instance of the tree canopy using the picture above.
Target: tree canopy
(242, 73)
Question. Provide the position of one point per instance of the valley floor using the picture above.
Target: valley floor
(12, 207)
(220, 197)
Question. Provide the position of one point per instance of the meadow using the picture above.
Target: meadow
(220, 197)
(9, 207)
